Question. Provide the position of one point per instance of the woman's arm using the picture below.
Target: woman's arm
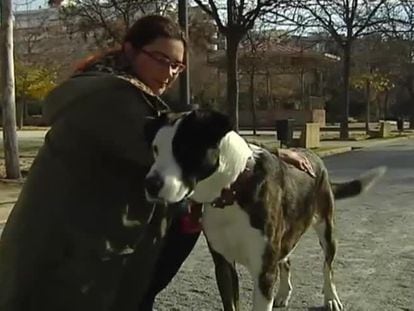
(296, 159)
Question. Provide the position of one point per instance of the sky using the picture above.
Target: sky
(21, 5)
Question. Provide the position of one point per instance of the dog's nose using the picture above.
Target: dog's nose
(153, 185)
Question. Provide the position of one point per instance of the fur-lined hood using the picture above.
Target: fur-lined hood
(116, 64)
(96, 76)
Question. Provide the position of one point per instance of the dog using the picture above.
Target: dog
(256, 207)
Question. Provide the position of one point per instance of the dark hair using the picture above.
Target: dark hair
(151, 27)
(144, 31)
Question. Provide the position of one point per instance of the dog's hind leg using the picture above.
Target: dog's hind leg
(227, 281)
(324, 229)
(285, 285)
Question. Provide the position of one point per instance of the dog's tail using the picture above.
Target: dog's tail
(357, 186)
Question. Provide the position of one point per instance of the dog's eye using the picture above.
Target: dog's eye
(155, 150)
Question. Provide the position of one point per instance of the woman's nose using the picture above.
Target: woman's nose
(171, 71)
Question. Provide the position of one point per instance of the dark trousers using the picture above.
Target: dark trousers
(176, 248)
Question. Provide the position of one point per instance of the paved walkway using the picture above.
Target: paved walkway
(269, 138)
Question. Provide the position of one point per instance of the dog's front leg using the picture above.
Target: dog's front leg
(263, 295)
(227, 281)
(285, 286)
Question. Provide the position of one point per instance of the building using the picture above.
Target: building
(40, 38)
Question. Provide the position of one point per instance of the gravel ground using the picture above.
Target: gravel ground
(374, 267)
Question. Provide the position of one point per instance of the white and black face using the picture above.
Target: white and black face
(186, 151)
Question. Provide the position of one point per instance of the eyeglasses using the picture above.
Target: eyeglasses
(164, 60)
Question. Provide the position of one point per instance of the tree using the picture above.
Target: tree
(11, 151)
(257, 44)
(240, 18)
(106, 21)
(202, 31)
(33, 31)
(29, 44)
(373, 83)
(400, 35)
(345, 21)
(33, 82)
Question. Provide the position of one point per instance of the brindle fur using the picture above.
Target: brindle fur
(283, 202)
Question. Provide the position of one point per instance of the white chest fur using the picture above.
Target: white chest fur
(229, 233)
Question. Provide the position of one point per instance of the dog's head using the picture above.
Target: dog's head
(186, 151)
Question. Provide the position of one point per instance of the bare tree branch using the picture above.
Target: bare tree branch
(238, 24)
(212, 10)
(107, 20)
(369, 19)
(240, 12)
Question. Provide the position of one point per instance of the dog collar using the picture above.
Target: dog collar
(230, 194)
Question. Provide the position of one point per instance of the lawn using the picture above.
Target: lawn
(28, 149)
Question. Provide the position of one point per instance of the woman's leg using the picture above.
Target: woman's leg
(177, 246)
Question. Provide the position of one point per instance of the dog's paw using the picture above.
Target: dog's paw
(331, 298)
(334, 305)
(282, 298)
(280, 303)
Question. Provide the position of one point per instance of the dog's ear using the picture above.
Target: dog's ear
(152, 125)
(215, 123)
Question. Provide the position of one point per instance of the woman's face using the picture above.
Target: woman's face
(159, 63)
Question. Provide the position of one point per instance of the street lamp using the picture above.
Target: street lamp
(185, 75)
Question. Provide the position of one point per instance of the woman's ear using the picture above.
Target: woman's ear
(129, 50)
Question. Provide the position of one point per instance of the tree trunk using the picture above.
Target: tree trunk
(303, 104)
(344, 133)
(321, 88)
(233, 80)
(268, 94)
(385, 112)
(367, 110)
(20, 113)
(253, 101)
(218, 94)
(410, 89)
(25, 111)
(11, 152)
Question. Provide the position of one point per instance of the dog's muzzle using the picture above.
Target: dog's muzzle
(153, 185)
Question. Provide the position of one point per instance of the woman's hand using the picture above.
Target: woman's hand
(296, 159)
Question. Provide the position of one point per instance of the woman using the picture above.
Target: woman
(81, 235)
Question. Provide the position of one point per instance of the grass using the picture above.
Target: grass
(27, 148)
(34, 128)
(351, 138)
(31, 128)
(320, 149)
(393, 135)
